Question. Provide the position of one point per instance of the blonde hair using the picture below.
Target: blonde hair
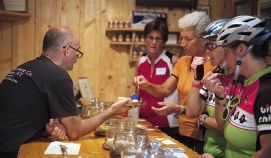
(197, 20)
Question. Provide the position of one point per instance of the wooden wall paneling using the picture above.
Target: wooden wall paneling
(116, 70)
(22, 43)
(6, 49)
(90, 28)
(129, 71)
(45, 18)
(174, 14)
(16, 55)
(27, 38)
(68, 14)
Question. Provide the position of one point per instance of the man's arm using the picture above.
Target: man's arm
(76, 127)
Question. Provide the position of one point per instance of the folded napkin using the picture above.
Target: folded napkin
(54, 148)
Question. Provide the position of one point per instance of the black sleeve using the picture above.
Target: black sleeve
(61, 99)
(262, 107)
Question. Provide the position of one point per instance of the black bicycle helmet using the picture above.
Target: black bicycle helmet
(212, 30)
(247, 29)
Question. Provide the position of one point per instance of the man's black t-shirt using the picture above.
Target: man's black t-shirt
(29, 96)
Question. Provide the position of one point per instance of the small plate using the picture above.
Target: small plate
(139, 103)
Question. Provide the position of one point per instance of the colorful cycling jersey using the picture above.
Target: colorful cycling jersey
(251, 118)
(161, 71)
(213, 142)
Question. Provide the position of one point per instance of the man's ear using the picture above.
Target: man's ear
(65, 52)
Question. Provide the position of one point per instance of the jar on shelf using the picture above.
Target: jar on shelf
(114, 38)
(121, 24)
(142, 39)
(116, 24)
(110, 24)
(127, 24)
(134, 55)
(127, 38)
(136, 38)
(120, 37)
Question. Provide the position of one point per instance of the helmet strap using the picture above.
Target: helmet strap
(239, 61)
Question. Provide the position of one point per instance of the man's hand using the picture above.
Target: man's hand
(55, 129)
(118, 108)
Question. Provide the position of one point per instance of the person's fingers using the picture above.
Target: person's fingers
(162, 103)
(50, 126)
(55, 131)
(160, 111)
(51, 122)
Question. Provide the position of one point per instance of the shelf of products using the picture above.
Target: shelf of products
(12, 16)
(132, 37)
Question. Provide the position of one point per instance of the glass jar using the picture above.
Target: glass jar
(114, 38)
(136, 38)
(134, 55)
(154, 150)
(127, 134)
(127, 38)
(120, 37)
(142, 39)
(127, 24)
(110, 24)
(116, 24)
(92, 108)
(121, 24)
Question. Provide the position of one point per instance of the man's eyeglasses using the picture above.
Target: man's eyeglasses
(157, 39)
(80, 55)
(211, 47)
(230, 107)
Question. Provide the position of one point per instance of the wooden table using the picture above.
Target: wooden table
(91, 146)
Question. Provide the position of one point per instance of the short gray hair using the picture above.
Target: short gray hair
(197, 20)
(57, 37)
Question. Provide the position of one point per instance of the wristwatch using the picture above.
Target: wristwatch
(182, 112)
(202, 120)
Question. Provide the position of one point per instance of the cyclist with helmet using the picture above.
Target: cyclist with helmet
(190, 25)
(200, 101)
(247, 42)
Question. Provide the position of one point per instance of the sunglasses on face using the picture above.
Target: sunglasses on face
(230, 107)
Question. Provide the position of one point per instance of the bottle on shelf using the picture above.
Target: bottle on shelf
(136, 38)
(110, 24)
(127, 24)
(116, 24)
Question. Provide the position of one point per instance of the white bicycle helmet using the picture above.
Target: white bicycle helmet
(212, 30)
(247, 29)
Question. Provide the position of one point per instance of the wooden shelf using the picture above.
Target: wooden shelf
(13, 16)
(134, 30)
(133, 43)
(121, 43)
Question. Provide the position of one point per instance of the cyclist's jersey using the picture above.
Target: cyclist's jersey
(251, 118)
(213, 142)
